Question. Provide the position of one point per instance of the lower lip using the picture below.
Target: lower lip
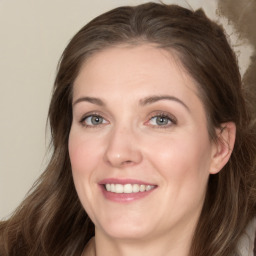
(124, 197)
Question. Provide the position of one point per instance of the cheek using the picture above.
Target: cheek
(84, 157)
(182, 161)
(84, 154)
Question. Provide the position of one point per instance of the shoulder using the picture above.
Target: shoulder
(247, 244)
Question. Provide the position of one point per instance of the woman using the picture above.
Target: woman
(153, 147)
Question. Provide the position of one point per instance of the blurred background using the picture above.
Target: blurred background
(33, 35)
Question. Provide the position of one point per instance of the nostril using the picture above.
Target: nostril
(128, 162)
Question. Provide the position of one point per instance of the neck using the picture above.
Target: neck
(89, 249)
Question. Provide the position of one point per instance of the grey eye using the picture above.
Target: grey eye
(160, 120)
(94, 120)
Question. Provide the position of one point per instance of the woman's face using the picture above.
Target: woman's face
(139, 147)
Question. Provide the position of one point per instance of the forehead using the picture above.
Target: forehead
(126, 67)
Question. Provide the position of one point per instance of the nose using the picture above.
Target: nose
(122, 149)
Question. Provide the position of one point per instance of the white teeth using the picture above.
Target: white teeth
(119, 188)
(108, 187)
(148, 187)
(135, 188)
(112, 188)
(142, 188)
(128, 188)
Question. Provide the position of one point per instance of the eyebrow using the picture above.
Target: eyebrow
(92, 100)
(142, 102)
(153, 99)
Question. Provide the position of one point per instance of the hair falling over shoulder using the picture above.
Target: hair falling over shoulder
(51, 220)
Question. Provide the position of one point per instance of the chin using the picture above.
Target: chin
(126, 229)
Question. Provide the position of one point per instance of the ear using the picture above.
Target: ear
(223, 147)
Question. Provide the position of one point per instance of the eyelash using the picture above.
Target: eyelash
(170, 118)
(82, 121)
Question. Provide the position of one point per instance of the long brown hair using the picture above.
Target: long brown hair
(51, 220)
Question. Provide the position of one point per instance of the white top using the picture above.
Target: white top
(245, 244)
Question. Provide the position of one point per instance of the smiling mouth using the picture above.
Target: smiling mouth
(128, 188)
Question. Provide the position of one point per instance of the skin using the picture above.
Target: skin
(177, 157)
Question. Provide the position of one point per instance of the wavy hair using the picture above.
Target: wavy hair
(52, 221)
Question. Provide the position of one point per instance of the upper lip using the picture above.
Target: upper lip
(124, 181)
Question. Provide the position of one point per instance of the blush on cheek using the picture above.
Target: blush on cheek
(83, 156)
(182, 164)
